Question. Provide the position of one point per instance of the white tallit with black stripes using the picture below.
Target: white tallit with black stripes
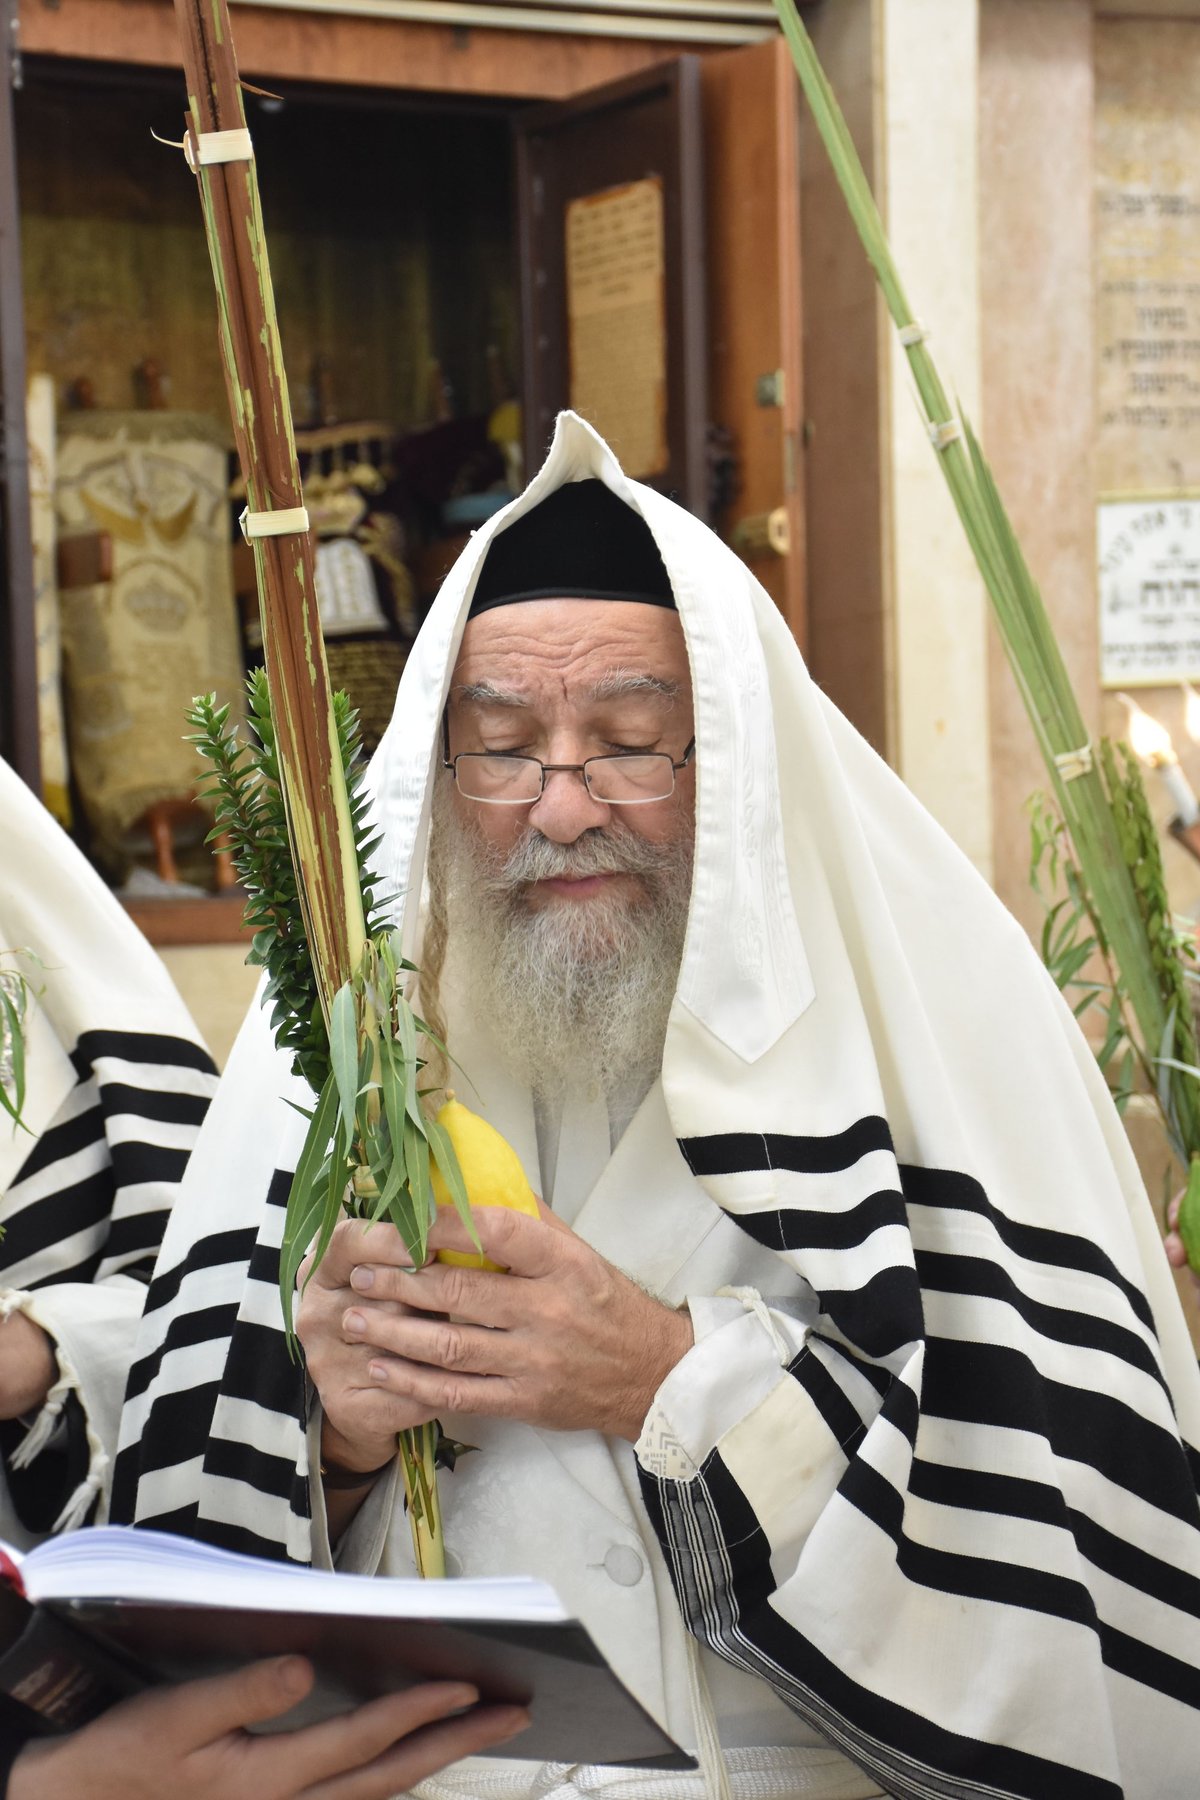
(953, 1523)
(118, 1083)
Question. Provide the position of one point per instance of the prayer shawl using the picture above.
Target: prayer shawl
(955, 1524)
(118, 1081)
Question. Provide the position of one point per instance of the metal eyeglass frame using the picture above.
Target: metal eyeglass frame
(452, 762)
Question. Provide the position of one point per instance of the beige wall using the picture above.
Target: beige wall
(929, 76)
(216, 986)
(1035, 249)
(897, 612)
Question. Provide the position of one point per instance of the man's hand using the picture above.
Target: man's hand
(562, 1340)
(361, 1419)
(28, 1368)
(1176, 1254)
(190, 1743)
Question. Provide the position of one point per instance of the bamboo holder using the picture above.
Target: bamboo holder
(262, 424)
(320, 828)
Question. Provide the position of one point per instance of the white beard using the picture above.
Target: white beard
(580, 991)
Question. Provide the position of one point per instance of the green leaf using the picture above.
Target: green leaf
(1123, 1092)
(303, 1210)
(1162, 1059)
(337, 1173)
(420, 1190)
(446, 1157)
(1172, 1062)
(343, 1052)
(1073, 961)
(392, 1084)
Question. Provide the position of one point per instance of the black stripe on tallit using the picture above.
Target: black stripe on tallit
(177, 1429)
(259, 1368)
(792, 1229)
(737, 1152)
(730, 1153)
(38, 1225)
(991, 1384)
(1136, 1568)
(974, 1490)
(134, 1235)
(158, 1104)
(719, 1560)
(181, 1521)
(983, 1491)
(838, 1412)
(1016, 1497)
(1151, 1667)
(150, 1048)
(951, 1572)
(138, 1164)
(63, 1140)
(31, 1230)
(197, 1326)
(879, 1317)
(976, 1275)
(224, 1536)
(232, 1247)
(265, 1473)
(1033, 1243)
(185, 1521)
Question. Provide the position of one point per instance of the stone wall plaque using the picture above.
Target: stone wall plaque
(1148, 555)
(1148, 255)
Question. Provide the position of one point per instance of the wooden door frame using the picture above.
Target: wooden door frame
(19, 742)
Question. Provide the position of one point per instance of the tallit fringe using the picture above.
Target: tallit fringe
(44, 1426)
(708, 1744)
(754, 1303)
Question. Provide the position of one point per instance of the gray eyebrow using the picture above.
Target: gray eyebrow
(620, 682)
(486, 693)
(614, 686)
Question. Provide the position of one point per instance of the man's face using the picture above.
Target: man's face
(563, 680)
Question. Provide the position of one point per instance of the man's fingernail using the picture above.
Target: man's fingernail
(291, 1672)
(354, 1323)
(377, 1372)
(362, 1278)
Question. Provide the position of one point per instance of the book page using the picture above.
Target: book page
(116, 1562)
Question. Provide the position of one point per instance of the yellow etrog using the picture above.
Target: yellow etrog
(491, 1172)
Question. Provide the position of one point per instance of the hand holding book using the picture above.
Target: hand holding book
(192, 1742)
(324, 1666)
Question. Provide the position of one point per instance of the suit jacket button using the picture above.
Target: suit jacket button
(623, 1565)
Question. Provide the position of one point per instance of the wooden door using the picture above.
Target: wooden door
(733, 315)
(752, 183)
(599, 177)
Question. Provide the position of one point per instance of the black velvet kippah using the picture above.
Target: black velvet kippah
(581, 543)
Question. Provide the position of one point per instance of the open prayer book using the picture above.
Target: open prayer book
(88, 1618)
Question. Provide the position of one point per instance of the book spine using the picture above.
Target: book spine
(57, 1678)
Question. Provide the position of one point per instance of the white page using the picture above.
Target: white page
(116, 1562)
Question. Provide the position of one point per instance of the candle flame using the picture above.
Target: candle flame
(1191, 716)
(1150, 740)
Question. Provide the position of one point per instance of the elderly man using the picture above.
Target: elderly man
(840, 1388)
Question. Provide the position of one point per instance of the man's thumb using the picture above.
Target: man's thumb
(210, 1709)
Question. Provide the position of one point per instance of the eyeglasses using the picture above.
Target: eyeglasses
(626, 779)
